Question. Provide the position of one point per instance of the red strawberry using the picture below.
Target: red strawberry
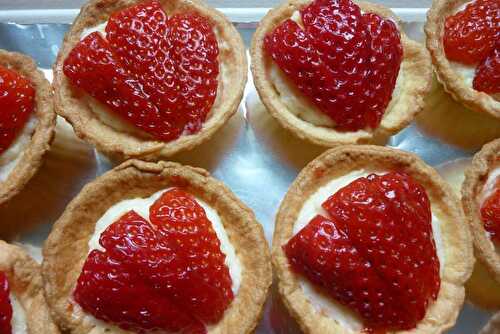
(115, 293)
(490, 213)
(324, 254)
(384, 223)
(470, 35)
(94, 67)
(487, 77)
(206, 283)
(173, 270)
(17, 101)
(174, 62)
(5, 305)
(345, 83)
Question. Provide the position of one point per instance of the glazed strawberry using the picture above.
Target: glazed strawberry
(487, 77)
(17, 100)
(470, 35)
(173, 61)
(5, 306)
(490, 214)
(205, 283)
(172, 269)
(378, 231)
(345, 62)
(95, 68)
(324, 254)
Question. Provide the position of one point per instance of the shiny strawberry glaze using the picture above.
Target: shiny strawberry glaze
(167, 274)
(157, 73)
(17, 101)
(487, 78)
(374, 252)
(472, 37)
(5, 305)
(490, 213)
(343, 61)
(470, 34)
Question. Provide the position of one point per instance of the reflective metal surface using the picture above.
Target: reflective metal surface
(252, 154)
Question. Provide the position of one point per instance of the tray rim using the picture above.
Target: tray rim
(237, 15)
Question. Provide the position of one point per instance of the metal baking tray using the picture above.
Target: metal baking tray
(250, 153)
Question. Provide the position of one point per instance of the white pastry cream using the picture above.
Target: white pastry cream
(117, 123)
(490, 184)
(11, 157)
(345, 317)
(18, 323)
(300, 105)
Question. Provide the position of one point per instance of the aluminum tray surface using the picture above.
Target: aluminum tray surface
(252, 154)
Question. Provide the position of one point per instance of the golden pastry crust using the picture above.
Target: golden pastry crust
(67, 246)
(25, 282)
(44, 131)
(493, 326)
(71, 104)
(455, 234)
(452, 81)
(414, 82)
(475, 178)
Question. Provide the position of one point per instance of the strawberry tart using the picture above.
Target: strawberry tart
(463, 38)
(150, 248)
(27, 121)
(338, 71)
(371, 239)
(149, 78)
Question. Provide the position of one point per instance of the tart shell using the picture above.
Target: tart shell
(67, 246)
(25, 282)
(455, 234)
(414, 79)
(493, 325)
(43, 135)
(71, 104)
(452, 82)
(475, 177)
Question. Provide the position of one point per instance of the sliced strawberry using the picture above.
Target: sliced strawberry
(388, 219)
(173, 64)
(5, 305)
(113, 292)
(205, 281)
(173, 264)
(487, 77)
(386, 222)
(17, 101)
(385, 60)
(337, 59)
(470, 34)
(490, 213)
(323, 253)
(95, 68)
(195, 50)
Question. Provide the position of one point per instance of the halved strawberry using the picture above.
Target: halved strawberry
(5, 305)
(17, 101)
(487, 77)
(172, 269)
(385, 223)
(173, 61)
(345, 62)
(324, 254)
(470, 34)
(490, 213)
(94, 67)
(204, 287)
